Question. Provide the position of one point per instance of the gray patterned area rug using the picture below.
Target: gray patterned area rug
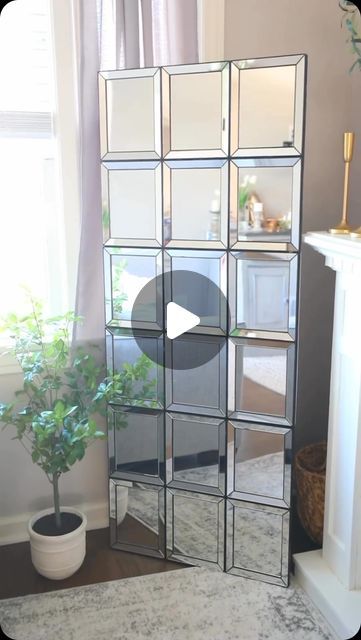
(187, 604)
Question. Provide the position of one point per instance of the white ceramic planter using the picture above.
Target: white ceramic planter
(58, 557)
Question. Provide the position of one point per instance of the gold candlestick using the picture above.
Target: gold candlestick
(348, 142)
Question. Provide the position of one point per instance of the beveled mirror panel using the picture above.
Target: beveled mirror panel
(198, 390)
(138, 443)
(141, 380)
(137, 517)
(257, 542)
(265, 203)
(132, 203)
(267, 106)
(129, 105)
(201, 298)
(195, 528)
(126, 272)
(201, 219)
(261, 381)
(259, 463)
(195, 450)
(195, 110)
(263, 294)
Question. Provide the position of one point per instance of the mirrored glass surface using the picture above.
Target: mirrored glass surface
(201, 298)
(257, 542)
(200, 390)
(261, 380)
(132, 203)
(127, 271)
(195, 450)
(267, 101)
(263, 294)
(200, 219)
(265, 202)
(130, 114)
(140, 380)
(195, 528)
(137, 517)
(195, 110)
(259, 463)
(138, 443)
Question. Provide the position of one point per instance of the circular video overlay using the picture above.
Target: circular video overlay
(189, 311)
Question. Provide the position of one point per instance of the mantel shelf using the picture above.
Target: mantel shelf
(341, 251)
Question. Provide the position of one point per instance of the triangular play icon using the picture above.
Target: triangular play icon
(179, 320)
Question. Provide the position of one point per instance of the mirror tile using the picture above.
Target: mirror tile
(263, 294)
(267, 99)
(137, 515)
(130, 114)
(261, 380)
(140, 379)
(195, 110)
(257, 542)
(200, 220)
(259, 463)
(195, 528)
(199, 390)
(138, 436)
(201, 299)
(265, 203)
(195, 452)
(132, 203)
(126, 272)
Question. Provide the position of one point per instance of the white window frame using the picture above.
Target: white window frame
(66, 130)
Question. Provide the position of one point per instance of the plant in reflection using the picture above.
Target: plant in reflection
(64, 392)
(351, 19)
(245, 190)
(118, 296)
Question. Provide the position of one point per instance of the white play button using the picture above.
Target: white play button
(179, 320)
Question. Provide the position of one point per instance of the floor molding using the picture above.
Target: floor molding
(14, 529)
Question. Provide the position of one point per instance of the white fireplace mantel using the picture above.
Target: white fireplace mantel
(332, 576)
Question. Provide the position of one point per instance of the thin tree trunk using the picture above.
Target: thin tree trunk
(56, 500)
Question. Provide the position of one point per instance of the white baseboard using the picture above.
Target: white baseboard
(14, 529)
(339, 606)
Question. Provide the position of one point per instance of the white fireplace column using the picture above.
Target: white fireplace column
(332, 576)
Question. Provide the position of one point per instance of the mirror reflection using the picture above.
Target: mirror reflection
(265, 293)
(201, 217)
(195, 452)
(132, 203)
(136, 509)
(138, 443)
(265, 201)
(257, 539)
(259, 462)
(266, 107)
(195, 527)
(126, 273)
(130, 115)
(260, 380)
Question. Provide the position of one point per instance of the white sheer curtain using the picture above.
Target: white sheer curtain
(114, 34)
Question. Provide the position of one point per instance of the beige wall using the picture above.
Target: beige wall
(280, 27)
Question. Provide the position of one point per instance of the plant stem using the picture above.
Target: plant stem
(56, 500)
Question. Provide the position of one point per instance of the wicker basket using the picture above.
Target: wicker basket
(310, 469)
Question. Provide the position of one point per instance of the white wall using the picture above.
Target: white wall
(263, 28)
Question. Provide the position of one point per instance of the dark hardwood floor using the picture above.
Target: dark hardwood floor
(18, 576)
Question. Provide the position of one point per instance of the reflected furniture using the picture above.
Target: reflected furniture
(200, 459)
(332, 576)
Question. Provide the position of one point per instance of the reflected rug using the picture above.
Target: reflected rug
(187, 604)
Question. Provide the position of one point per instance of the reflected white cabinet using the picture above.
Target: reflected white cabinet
(263, 303)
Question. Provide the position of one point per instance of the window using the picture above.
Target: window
(33, 242)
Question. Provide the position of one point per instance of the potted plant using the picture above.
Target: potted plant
(55, 419)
